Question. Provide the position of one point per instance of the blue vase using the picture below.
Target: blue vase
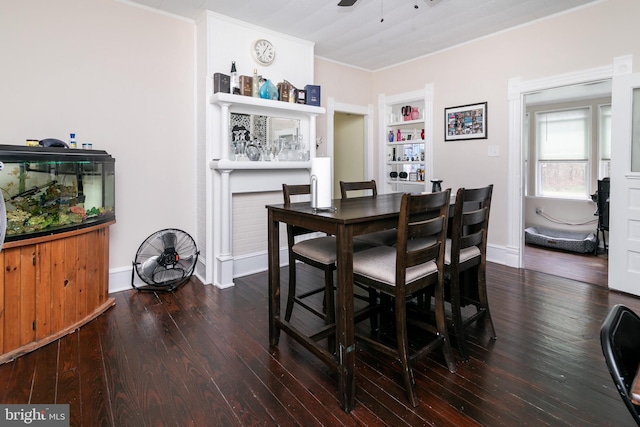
(268, 90)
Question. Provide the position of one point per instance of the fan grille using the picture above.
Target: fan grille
(166, 259)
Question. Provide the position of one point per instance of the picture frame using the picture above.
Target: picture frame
(466, 122)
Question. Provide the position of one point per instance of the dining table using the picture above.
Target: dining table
(345, 219)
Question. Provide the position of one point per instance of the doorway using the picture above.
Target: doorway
(341, 115)
(348, 149)
(513, 253)
(566, 146)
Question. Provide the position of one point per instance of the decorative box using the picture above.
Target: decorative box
(301, 96)
(313, 95)
(246, 83)
(221, 83)
(284, 89)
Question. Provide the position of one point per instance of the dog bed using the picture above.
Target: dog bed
(560, 239)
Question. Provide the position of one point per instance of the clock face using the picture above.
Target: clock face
(263, 51)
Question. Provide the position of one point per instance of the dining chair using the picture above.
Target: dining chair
(466, 251)
(319, 252)
(620, 341)
(399, 273)
(368, 189)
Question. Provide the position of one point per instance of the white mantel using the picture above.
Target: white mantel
(231, 177)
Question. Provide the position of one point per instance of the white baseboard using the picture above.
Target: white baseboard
(120, 278)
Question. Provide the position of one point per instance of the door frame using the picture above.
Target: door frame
(367, 113)
(517, 88)
(624, 239)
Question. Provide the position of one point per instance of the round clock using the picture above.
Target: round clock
(263, 51)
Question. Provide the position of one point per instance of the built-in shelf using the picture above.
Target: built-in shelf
(408, 144)
(273, 107)
(226, 164)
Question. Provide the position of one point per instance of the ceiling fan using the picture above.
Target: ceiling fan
(348, 3)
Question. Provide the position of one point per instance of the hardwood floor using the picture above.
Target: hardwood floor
(200, 356)
(588, 268)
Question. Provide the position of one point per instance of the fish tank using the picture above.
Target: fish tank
(49, 190)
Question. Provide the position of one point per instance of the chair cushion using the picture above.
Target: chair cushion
(465, 255)
(379, 264)
(379, 238)
(323, 249)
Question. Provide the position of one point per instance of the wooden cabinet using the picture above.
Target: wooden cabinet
(50, 286)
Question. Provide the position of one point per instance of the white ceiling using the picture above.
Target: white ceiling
(355, 36)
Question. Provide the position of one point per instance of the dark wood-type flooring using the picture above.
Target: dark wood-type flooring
(588, 268)
(200, 356)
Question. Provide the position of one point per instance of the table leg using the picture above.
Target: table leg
(344, 319)
(273, 236)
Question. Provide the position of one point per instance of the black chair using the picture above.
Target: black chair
(620, 340)
(467, 253)
(601, 197)
(368, 189)
(319, 252)
(400, 273)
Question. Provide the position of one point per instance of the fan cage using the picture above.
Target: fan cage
(165, 260)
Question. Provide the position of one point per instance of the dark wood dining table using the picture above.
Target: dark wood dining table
(351, 217)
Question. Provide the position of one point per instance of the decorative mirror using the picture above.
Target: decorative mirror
(274, 138)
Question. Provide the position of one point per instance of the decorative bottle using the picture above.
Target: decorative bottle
(390, 136)
(235, 82)
(399, 136)
(72, 140)
(255, 84)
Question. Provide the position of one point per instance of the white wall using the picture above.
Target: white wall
(118, 76)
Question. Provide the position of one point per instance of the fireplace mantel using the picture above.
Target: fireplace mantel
(232, 177)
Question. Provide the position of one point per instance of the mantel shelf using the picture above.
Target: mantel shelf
(230, 165)
(274, 106)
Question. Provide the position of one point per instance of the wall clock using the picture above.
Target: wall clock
(263, 51)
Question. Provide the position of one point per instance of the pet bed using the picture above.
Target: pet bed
(560, 239)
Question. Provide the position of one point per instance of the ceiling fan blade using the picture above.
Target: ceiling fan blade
(346, 2)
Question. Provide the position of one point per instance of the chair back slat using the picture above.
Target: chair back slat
(364, 186)
(474, 217)
(470, 221)
(474, 239)
(422, 217)
(295, 190)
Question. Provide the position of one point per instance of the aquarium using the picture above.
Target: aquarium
(49, 190)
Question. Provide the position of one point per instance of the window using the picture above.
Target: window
(604, 152)
(563, 160)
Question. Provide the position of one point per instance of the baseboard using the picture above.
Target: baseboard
(120, 279)
(244, 265)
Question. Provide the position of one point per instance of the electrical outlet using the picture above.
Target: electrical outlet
(493, 151)
(539, 211)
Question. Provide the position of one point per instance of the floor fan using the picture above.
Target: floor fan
(165, 260)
